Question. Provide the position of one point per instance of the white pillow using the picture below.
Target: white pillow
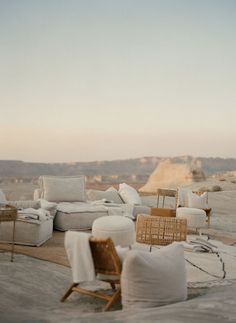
(196, 201)
(63, 189)
(111, 194)
(154, 279)
(2, 198)
(129, 195)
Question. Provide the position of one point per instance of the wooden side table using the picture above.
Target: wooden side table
(9, 213)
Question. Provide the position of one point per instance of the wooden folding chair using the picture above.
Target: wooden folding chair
(106, 263)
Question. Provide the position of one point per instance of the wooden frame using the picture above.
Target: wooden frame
(106, 262)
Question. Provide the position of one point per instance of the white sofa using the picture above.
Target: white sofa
(77, 208)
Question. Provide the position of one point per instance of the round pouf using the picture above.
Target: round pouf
(120, 229)
(196, 218)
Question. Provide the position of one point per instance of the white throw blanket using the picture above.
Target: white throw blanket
(79, 255)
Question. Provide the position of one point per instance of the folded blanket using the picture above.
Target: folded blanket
(79, 255)
(35, 214)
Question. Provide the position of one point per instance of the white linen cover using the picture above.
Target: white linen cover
(154, 279)
(79, 255)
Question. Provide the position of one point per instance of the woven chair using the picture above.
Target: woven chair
(157, 230)
(106, 263)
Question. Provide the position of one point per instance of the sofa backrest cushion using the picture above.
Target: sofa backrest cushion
(63, 188)
(154, 279)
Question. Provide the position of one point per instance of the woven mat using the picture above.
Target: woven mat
(53, 250)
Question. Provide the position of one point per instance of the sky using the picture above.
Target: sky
(115, 79)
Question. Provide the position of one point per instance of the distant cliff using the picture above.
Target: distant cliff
(139, 166)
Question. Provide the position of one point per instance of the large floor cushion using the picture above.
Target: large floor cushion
(119, 228)
(196, 218)
(151, 279)
(76, 221)
(30, 232)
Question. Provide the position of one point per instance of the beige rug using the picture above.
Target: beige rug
(53, 250)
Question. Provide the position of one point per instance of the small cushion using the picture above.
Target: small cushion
(63, 189)
(154, 279)
(111, 194)
(129, 195)
(196, 201)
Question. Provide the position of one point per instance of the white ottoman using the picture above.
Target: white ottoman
(196, 218)
(119, 228)
(27, 232)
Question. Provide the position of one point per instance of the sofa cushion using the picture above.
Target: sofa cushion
(129, 195)
(63, 189)
(111, 194)
(154, 279)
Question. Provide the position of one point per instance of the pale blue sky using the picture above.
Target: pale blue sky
(93, 80)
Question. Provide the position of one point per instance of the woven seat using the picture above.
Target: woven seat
(157, 230)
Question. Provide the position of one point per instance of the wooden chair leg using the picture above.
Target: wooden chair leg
(113, 299)
(69, 291)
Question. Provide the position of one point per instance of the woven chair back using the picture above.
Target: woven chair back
(158, 230)
(105, 258)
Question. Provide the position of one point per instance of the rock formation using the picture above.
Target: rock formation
(170, 174)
